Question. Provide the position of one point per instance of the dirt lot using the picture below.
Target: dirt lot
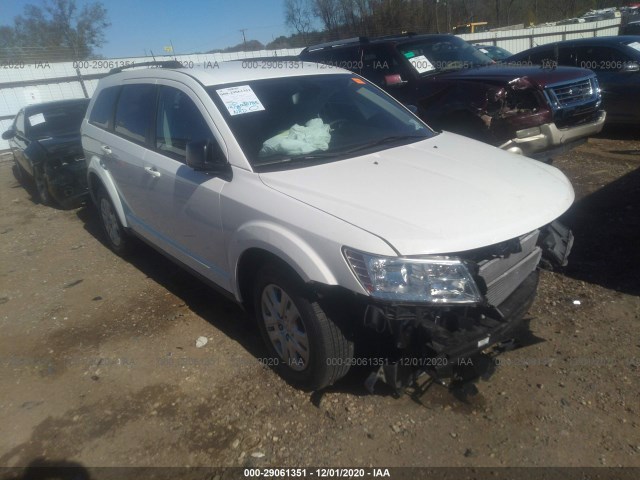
(98, 362)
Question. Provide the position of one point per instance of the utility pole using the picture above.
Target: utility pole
(244, 39)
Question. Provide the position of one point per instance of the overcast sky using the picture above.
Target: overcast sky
(191, 25)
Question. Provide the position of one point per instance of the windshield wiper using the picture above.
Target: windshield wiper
(300, 158)
(384, 140)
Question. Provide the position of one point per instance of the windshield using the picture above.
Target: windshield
(300, 120)
(56, 121)
(442, 53)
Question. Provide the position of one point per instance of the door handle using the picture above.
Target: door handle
(152, 171)
(106, 149)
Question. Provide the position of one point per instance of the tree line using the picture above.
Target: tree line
(348, 18)
(56, 31)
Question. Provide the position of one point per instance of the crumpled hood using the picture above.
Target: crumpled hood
(442, 195)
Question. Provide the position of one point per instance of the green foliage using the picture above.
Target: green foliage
(56, 31)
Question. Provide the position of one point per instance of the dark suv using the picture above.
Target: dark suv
(533, 111)
(616, 62)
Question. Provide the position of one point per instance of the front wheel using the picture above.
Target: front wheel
(306, 347)
(117, 237)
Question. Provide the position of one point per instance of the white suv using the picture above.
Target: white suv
(328, 209)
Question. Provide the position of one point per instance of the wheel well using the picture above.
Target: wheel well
(250, 262)
(95, 184)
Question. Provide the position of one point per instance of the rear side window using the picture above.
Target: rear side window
(102, 112)
(135, 111)
(542, 57)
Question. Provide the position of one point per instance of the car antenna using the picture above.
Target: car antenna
(152, 55)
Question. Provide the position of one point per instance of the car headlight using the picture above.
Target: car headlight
(432, 279)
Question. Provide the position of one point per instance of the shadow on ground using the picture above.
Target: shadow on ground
(204, 301)
(606, 225)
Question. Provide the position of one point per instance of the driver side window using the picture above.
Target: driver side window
(179, 122)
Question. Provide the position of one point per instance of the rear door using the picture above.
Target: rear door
(125, 151)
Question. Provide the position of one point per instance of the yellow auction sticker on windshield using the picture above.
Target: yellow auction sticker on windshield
(359, 81)
(240, 100)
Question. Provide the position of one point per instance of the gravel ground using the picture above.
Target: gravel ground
(99, 364)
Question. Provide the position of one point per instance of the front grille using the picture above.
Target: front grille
(503, 275)
(574, 93)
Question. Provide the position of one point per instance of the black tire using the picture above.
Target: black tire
(117, 236)
(42, 186)
(328, 351)
(19, 172)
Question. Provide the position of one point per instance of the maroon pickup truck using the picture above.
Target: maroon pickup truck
(529, 110)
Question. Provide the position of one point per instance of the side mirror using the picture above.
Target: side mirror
(202, 155)
(394, 80)
(9, 134)
(631, 67)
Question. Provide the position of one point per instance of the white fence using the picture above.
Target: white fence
(23, 84)
(516, 41)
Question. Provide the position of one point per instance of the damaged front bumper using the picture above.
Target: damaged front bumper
(548, 140)
(67, 181)
(433, 348)
(458, 342)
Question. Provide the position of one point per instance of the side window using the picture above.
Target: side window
(134, 114)
(568, 56)
(542, 57)
(377, 62)
(179, 122)
(103, 108)
(600, 58)
(20, 122)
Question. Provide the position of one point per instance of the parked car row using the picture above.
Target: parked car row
(456, 87)
(354, 232)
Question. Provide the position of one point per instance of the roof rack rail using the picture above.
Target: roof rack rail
(395, 35)
(158, 64)
(337, 43)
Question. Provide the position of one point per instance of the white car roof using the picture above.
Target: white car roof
(220, 73)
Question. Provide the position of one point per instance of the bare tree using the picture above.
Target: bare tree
(327, 10)
(297, 16)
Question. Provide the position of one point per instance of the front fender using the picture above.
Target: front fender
(285, 245)
(98, 176)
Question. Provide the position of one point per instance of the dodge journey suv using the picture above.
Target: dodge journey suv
(328, 210)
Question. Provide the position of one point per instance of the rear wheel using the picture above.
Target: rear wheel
(306, 347)
(18, 171)
(117, 237)
(42, 186)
